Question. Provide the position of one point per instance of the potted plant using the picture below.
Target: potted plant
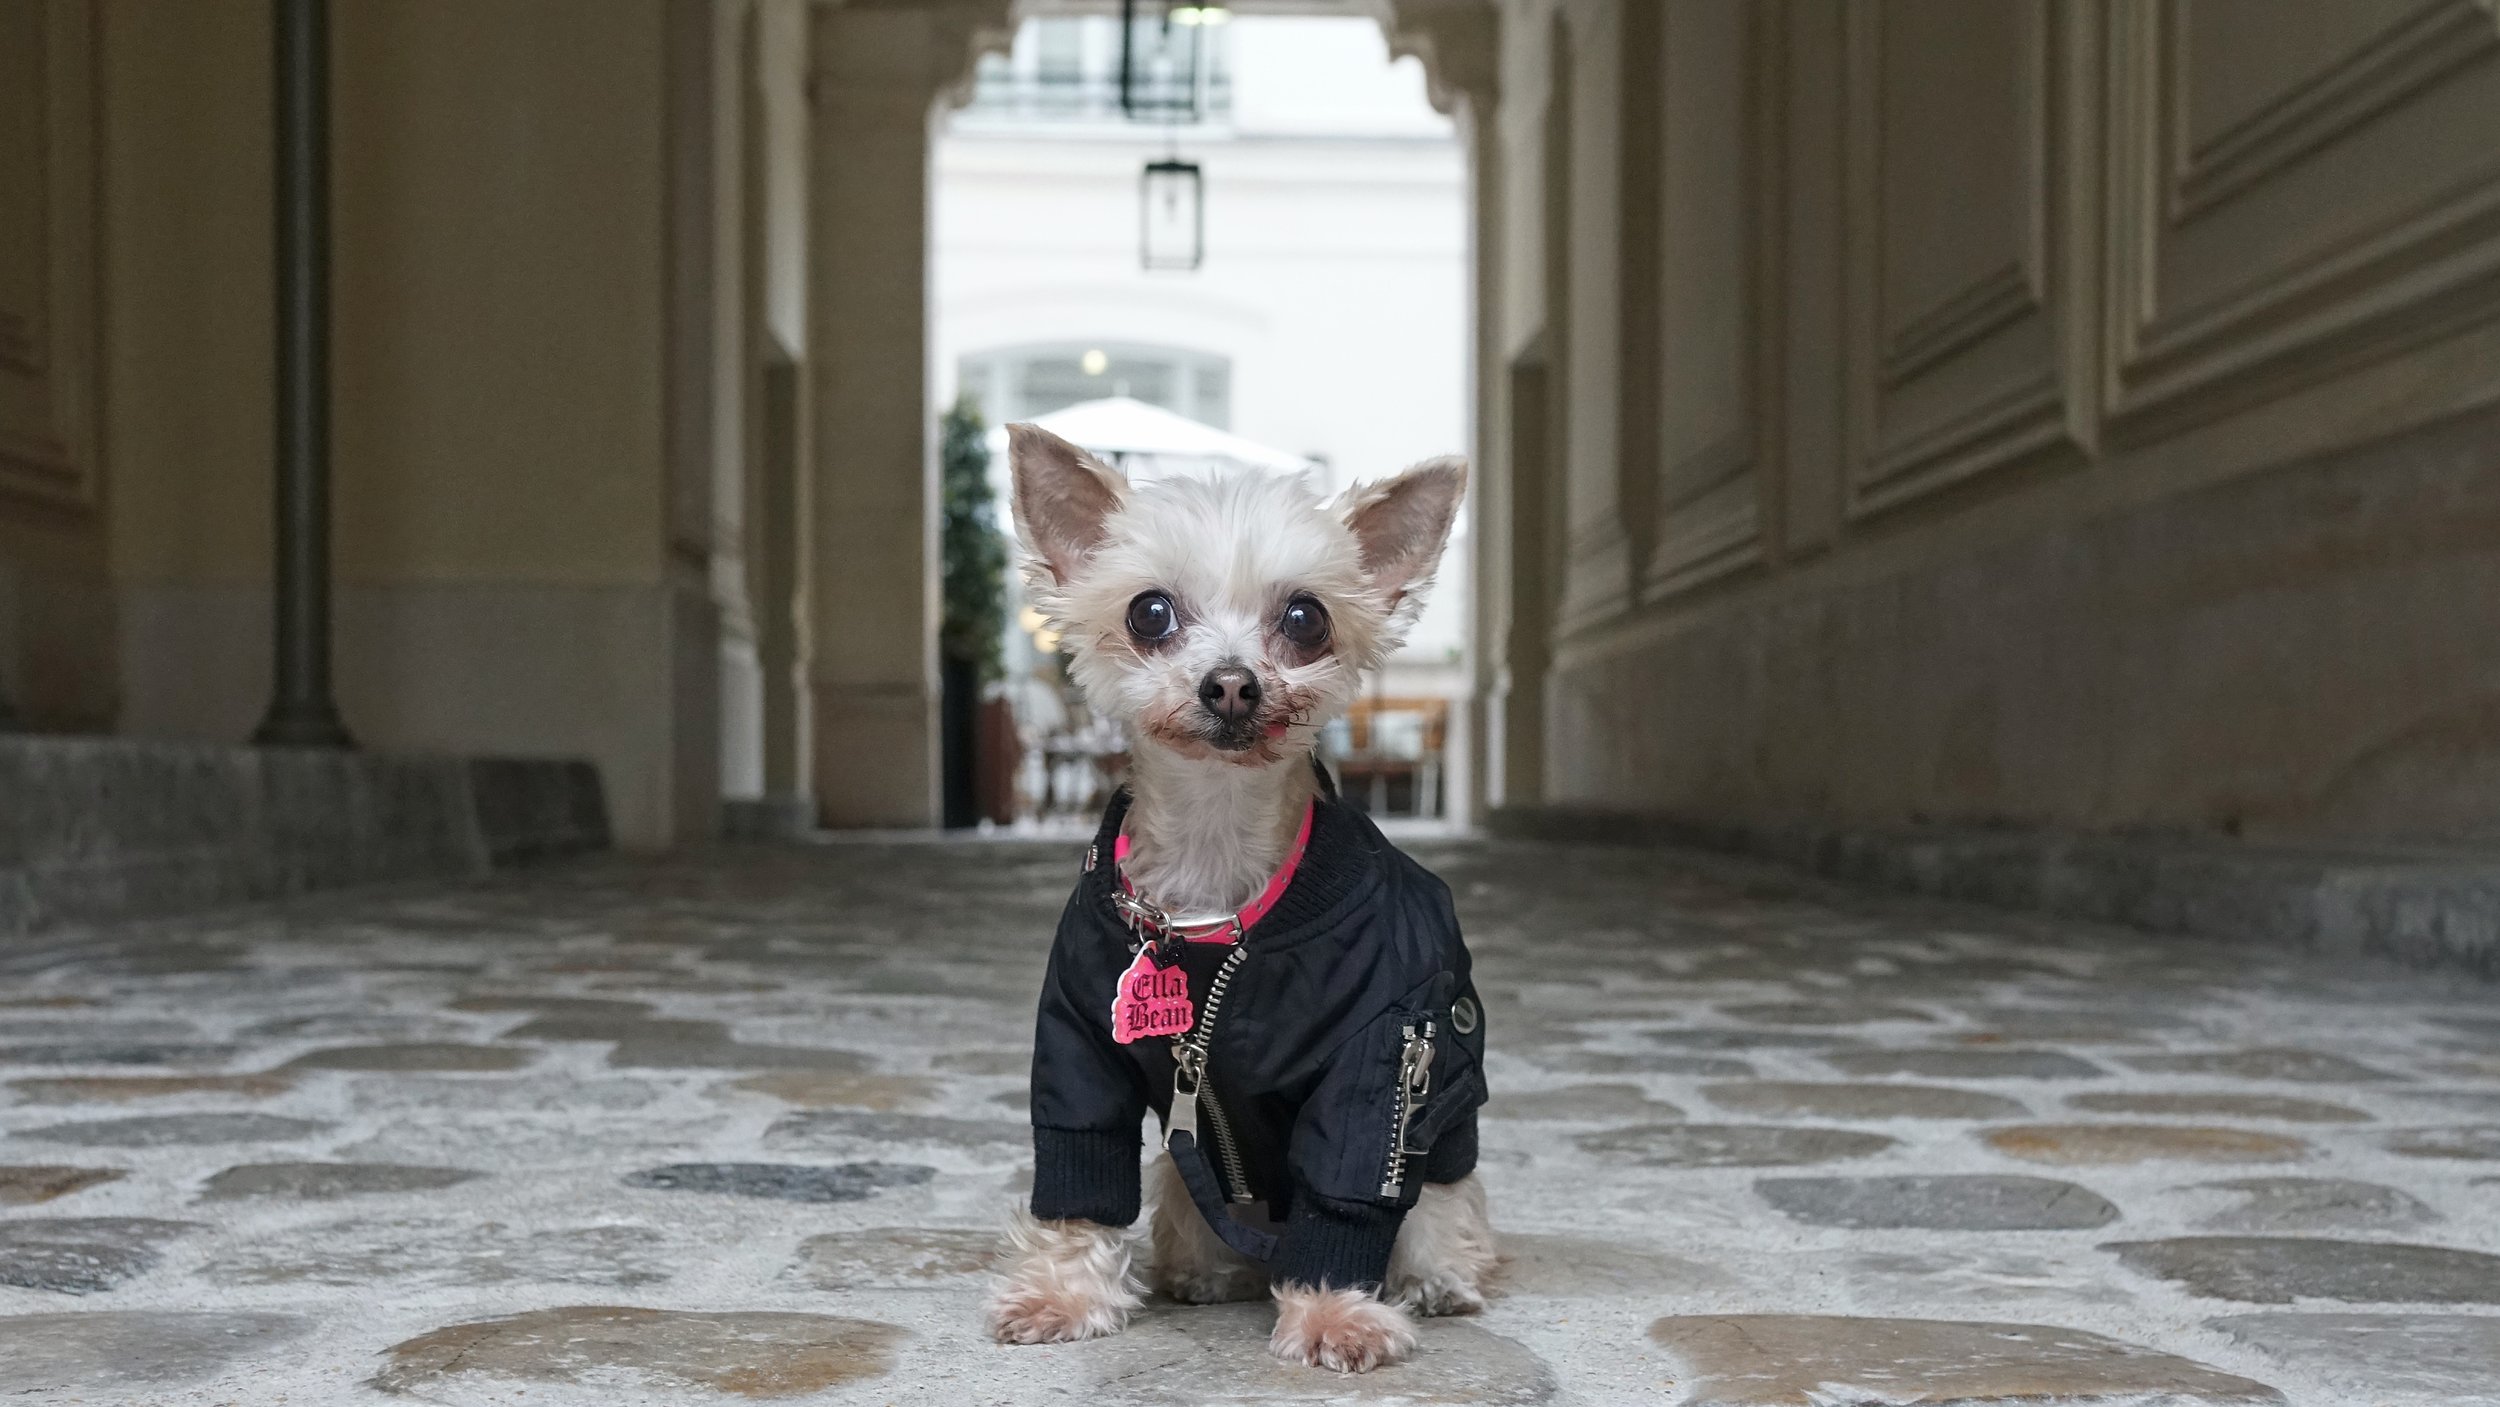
(973, 571)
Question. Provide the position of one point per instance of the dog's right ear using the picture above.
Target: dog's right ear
(1063, 497)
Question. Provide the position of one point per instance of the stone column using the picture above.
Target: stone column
(1591, 74)
(1458, 42)
(778, 530)
(301, 711)
(781, 622)
(872, 539)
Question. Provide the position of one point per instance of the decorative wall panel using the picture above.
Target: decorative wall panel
(1962, 212)
(1716, 258)
(2293, 200)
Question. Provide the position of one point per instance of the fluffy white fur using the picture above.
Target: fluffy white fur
(1444, 1258)
(1191, 1263)
(1344, 1331)
(1210, 822)
(1069, 1280)
(1445, 1251)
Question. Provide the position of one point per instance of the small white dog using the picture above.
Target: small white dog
(1244, 955)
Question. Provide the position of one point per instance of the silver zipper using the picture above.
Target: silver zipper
(1236, 1178)
(1189, 1084)
(1414, 1086)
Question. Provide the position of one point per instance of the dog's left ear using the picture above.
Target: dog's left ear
(1403, 522)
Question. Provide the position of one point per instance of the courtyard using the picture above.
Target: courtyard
(741, 1126)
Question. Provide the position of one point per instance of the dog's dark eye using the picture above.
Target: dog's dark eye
(1304, 623)
(1151, 617)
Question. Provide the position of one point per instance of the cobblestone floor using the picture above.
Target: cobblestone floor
(741, 1128)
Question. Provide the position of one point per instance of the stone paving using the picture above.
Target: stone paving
(741, 1128)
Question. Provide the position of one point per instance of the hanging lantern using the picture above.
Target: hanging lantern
(1172, 200)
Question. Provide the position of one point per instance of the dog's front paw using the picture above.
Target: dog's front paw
(1025, 1312)
(1344, 1331)
(1070, 1280)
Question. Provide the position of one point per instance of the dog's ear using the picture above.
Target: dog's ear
(1063, 495)
(1403, 522)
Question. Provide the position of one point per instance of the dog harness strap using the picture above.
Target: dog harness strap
(1225, 930)
(1191, 1162)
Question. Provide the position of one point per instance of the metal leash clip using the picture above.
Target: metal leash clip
(1143, 917)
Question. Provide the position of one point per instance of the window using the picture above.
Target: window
(1059, 52)
(1067, 68)
(1019, 383)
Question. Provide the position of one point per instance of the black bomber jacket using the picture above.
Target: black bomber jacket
(1342, 1072)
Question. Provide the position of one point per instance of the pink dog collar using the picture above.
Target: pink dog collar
(1140, 911)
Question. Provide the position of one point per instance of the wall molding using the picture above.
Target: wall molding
(1710, 534)
(2432, 41)
(1596, 575)
(1709, 511)
(2419, 269)
(2015, 426)
(1972, 343)
(2005, 295)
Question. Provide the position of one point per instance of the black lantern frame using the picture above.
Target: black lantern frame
(1158, 180)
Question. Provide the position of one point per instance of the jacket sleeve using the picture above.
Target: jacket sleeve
(1088, 1103)
(1345, 1214)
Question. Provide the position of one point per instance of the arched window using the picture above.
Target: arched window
(1019, 383)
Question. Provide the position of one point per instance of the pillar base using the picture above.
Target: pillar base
(131, 827)
(312, 724)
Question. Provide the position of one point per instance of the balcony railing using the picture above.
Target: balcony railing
(1096, 98)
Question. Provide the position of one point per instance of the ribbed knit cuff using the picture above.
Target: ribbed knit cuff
(1339, 1245)
(1085, 1174)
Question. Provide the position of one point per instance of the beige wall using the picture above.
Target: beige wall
(2029, 443)
(55, 615)
(568, 241)
(499, 385)
(522, 470)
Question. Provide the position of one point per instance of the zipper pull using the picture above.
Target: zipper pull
(1414, 1083)
(1415, 1076)
(1188, 1068)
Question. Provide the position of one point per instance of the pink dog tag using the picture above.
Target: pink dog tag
(1152, 1000)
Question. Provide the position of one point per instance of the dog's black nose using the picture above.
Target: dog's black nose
(1230, 693)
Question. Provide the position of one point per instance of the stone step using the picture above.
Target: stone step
(103, 828)
(2423, 907)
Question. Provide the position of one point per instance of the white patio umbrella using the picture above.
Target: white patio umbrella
(1146, 441)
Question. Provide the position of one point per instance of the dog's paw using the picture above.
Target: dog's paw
(1070, 1280)
(1344, 1331)
(1025, 1312)
(1441, 1296)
